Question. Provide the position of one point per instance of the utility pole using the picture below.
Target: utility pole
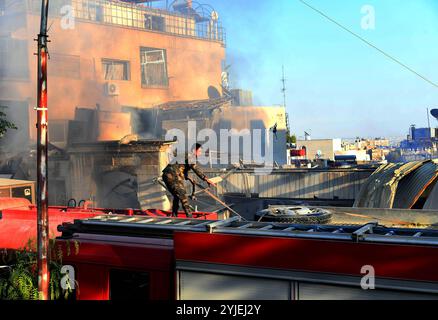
(42, 159)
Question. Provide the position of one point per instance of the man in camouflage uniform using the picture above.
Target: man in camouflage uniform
(175, 174)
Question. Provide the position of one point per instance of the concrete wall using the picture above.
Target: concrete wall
(115, 176)
(361, 155)
(327, 148)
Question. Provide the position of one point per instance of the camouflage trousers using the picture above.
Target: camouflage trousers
(175, 185)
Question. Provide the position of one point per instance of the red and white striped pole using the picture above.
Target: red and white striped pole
(42, 159)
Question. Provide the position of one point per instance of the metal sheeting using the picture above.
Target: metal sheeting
(432, 199)
(397, 185)
(413, 185)
(368, 188)
(328, 184)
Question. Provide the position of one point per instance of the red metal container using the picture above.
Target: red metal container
(298, 152)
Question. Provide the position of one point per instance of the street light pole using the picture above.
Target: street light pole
(42, 159)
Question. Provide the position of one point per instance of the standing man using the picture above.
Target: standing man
(175, 174)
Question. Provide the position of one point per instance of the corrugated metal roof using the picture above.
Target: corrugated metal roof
(379, 191)
(371, 188)
(432, 200)
(414, 184)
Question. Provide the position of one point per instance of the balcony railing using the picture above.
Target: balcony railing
(136, 16)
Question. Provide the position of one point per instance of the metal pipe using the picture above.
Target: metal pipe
(42, 159)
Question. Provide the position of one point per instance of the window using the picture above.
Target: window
(152, 22)
(129, 285)
(153, 67)
(210, 286)
(115, 69)
(93, 11)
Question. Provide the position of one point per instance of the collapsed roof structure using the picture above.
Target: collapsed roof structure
(401, 185)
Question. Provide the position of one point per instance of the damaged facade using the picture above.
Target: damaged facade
(153, 70)
(136, 64)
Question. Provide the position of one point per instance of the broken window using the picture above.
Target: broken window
(115, 69)
(153, 67)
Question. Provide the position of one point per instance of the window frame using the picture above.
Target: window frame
(143, 52)
(126, 72)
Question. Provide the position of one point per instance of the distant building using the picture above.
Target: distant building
(320, 148)
(420, 144)
(366, 149)
(366, 144)
(360, 155)
(420, 138)
(241, 97)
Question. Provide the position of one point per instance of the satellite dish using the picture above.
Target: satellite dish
(434, 113)
(213, 93)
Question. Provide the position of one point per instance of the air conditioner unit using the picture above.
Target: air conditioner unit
(112, 89)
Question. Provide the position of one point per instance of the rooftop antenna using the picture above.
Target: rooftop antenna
(306, 136)
(283, 90)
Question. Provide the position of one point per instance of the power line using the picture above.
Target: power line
(370, 44)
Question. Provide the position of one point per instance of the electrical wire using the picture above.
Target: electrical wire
(370, 44)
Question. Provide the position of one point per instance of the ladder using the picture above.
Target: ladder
(146, 226)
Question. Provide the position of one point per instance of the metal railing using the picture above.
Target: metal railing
(136, 16)
(142, 225)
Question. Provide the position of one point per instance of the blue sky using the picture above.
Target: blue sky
(337, 85)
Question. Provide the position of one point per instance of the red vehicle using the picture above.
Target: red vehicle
(170, 258)
(150, 256)
(18, 219)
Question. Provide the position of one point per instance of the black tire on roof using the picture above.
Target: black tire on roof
(322, 217)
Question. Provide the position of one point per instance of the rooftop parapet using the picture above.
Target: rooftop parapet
(138, 16)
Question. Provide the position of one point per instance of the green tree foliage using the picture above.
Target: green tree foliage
(19, 274)
(291, 138)
(5, 125)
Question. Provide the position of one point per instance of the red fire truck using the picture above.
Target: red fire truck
(152, 256)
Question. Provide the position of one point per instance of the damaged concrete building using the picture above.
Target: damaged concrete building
(116, 68)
